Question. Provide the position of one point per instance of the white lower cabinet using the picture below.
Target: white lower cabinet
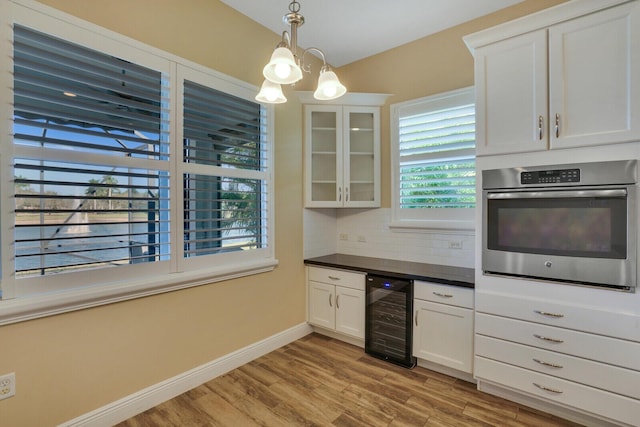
(569, 393)
(337, 300)
(581, 358)
(443, 325)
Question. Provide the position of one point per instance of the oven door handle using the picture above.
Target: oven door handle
(563, 194)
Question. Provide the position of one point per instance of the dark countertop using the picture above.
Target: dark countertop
(458, 276)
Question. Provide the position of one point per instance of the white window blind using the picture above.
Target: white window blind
(435, 156)
(91, 158)
(128, 171)
(225, 189)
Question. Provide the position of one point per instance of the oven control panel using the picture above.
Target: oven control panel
(550, 176)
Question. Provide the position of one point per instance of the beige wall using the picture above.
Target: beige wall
(431, 65)
(70, 364)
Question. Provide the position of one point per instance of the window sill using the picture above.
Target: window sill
(436, 226)
(28, 308)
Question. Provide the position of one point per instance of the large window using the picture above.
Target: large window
(433, 151)
(129, 171)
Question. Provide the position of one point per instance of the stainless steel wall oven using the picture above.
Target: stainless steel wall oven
(574, 223)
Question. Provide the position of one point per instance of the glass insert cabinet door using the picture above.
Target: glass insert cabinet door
(342, 149)
(326, 156)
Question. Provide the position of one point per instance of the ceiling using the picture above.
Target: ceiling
(349, 30)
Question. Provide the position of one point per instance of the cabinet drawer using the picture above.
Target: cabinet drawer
(592, 319)
(560, 391)
(595, 347)
(348, 279)
(445, 294)
(599, 375)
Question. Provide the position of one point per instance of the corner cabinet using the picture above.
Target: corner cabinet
(337, 300)
(342, 153)
(574, 83)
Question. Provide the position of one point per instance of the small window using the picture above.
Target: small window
(433, 154)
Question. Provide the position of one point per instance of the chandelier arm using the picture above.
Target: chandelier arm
(307, 67)
(286, 40)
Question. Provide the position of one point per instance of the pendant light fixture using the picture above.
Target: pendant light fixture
(286, 67)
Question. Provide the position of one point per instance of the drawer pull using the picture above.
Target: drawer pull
(552, 390)
(551, 365)
(546, 313)
(543, 338)
(334, 278)
(443, 295)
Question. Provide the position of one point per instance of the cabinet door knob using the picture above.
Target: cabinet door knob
(549, 364)
(417, 317)
(553, 340)
(442, 295)
(546, 313)
(330, 300)
(338, 301)
(552, 390)
(540, 127)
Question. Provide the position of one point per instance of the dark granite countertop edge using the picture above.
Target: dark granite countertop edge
(456, 276)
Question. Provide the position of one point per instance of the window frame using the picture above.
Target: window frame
(136, 280)
(439, 220)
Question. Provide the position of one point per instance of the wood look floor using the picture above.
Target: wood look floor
(319, 381)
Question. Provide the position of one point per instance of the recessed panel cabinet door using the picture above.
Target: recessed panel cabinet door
(350, 316)
(443, 334)
(511, 95)
(321, 305)
(594, 78)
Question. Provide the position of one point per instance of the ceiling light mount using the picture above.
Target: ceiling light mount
(286, 67)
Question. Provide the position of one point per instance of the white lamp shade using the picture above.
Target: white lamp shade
(270, 93)
(329, 87)
(282, 68)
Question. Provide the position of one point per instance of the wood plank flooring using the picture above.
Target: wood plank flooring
(319, 381)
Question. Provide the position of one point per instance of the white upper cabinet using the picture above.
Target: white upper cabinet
(342, 153)
(591, 95)
(511, 95)
(594, 78)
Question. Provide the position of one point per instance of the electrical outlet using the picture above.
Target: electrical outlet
(344, 236)
(362, 239)
(7, 385)
(455, 244)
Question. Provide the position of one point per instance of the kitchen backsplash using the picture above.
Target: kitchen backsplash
(366, 232)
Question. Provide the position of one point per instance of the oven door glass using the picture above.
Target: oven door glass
(590, 224)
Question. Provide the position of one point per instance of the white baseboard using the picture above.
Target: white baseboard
(446, 370)
(149, 397)
(358, 342)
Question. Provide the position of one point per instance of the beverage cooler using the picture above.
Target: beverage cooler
(388, 327)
